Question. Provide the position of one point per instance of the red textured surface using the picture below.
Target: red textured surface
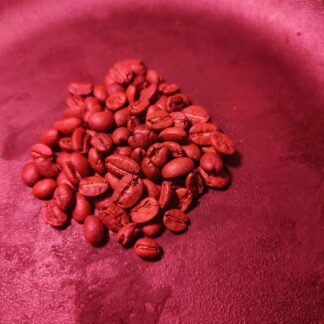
(254, 253)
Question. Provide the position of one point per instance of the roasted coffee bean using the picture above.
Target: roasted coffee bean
(152, 76)
(82, 208)
(162, 103)
(122, 116)
(158, 120)
(41, 151)
(153, 228)
(124, 150)
(93, 186)
(112, 180)
(75, 102)
(196, 114)
(138, 155)
(62, 179)
(150, 170)
(192, 151)
(62, 158)
(77, 112)
(211, 162)
(81, 140)
(139, 82)
(129, 191)
(173, 134)
(93, 230)
(139, 107)
(159, 154)
(96, 161)
(128, 234)
(169, 89)
(142, 137)
(151, 189)
(208, 149)
(184, 197)
(150, 93)
(201, 133)
(121, 165)
(113, 217)
(101, 121)
(116, 101)
(80, 164)
(53, 215)
(102, 142)
(29, 174)
(120, 135)
(114, 88)
(44, 189)
(80, 88)
(121, 74)
(50, 137)
(147, 249)
(177, 167)
(100, 92)
(217, 180)
(92, 104)
(46, 168)
(179, 119)
(64, 197)
(166, 194)
(66, 144)
(131, 93)
(68, 125)
(175, 220)
(174, 148)
(177, 102)
(102, 201)
(222, 143)
(194, 183)
(145, 210)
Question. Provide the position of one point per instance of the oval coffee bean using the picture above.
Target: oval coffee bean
(116, 101)
(209, 149)
(159, 154)
(201, 133)
(46, 168)
(80, 140)
(62, 179)
(124, 150)
(122, 116)
(222, 143)
(64, 197)
(102, 142)
(100, 92)
(192, 151)
(158, 120)
(152, 76)
(66, 144)
(131, 93)
(93, 230)
(211, 162)
(169, 89)
(151, 189)
(68, 125)
(114, 88)
(92, 104)
(196, 114)
(93, 186)
(179, 119)
(150, 170)
(166, 194)
(102, 201)
(138, 155)
(80, 88)
(80, 164)
(50, 137)
(175, 149)
(150, 93)
(162, 103)
(145, 210)
(112, 180)
(184, 197)
(120, 135)
(75, 102)
(177, 167)
(128, 234)
(29, 174)
(217, 180)
(96, 161)
(113, 217)
(177, 102)
(139, 107)
(175, 220)
(194, 183)
(173, 134)
(147, 249)
(121, 74)
(41, 151)
(101, 121)
(121, 165)
(82, 208)
(132, 123)
(153, 228)
(44, 189)
(53, 215)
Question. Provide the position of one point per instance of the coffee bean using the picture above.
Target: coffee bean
(44, 189)
(142, 137)
(128, 234)
(147, 249)
(138, 155)
(192, 151)
(101, 121)
(211, 161)
(166, 194)
(114, 88)
(177, 102)
(50, 137)
(184, 197)
(41, 151)
(131, 93)
(80, 164)
(162, 103)
(124, 150)
(152, 76)
(112, 180)
(102, 201)
(121, 165)
(76, 112)
(68, 125)
(150, 170)
(116, 101)
(139, 107)
(100, 92)
(175, 220)
(64, 197)
(179, 119)
(151, 189)
(120, 135)
(209, 149)
(82, 208)
(153, 228)
(196, 114)
(62, 179)
(93, 230)
(121, 74)
(53, 215)
(177, 167)
(158, 120)
(113, 217)
(150, 93)
(93, 186)
(29, 174)
(80, 140)
(168, 89)
(80, 88)
(222, 143)
(194, 183)
(66, 144)
(46, 168)
(102, 142)
(145, 210)
(159, 154)
(217, 180)
(201, 133)
(75, 102)
(122, 116)
(174, 148)
(92, 104)
(96, 161)
(173, 134)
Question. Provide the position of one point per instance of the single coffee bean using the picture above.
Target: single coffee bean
(158, 120)
(142, 137)
(175, 220)
(112, 180)
(159, 154)
(121, 74)
(128, 234)
(93, 186)
(122, 116)
(184, 197)
(80, 164)
(131, 93)
(80, 88)
(102, 142)
(139, 107)
(93, 230)
(92, 104)
(153, 228)
(121, 165)
(53, 215)
(82, 208)
(196, 114)
(152, 76)
(81, 140)
(150, 93)
(177, 167)
(120, 135)
(101, 121)
(179, 119)
(71, 173)
(114, 88)
(132, 123)
(75, 102)
(113, 217)
(124, 150)
(147, 249)
(145, 210)
(169, 89)
(64, 197)
(129, 191)
(217, 180)
(76, 112)
(162, 103)
(150, 170)
(201, 133)
(62, 158)
(62, 179)
(139, 82)
(166, 194)
(50, 137)
(68, 125)
(174, 148)
(151, 189)
(173, 134)
(44, 189)
(177, 102)
(100, 92)
(29, 174)
(116, 101)
(138, 154)
(192, 151)
(211, 162)
(41, 151)
(102, 201)
(222, 143)
(194, 183)
(46, 168)
(96, 161)
(209, 149)
(65, 144)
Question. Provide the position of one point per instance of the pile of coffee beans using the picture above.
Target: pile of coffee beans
(130, 156)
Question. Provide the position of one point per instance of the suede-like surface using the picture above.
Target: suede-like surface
(253, 253)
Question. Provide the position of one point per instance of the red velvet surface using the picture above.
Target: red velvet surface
(253, 253)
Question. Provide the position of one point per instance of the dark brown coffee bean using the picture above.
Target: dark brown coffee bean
(150, 170)
(50, 137)
(93, 230)
(177, 167)
(158, 120)
(96, 161)
(177, 102)
(41, 151)
(192, 151)
(128, 234)
(121, 74)
(122, 116)
(153, 228)
(179, 119)
(196, 114)
(194, 183)
(80, 88)
(81, 140)
(29, 174)
(131, 93)
(62, 179)
(100, 92)
(121, 165)
(93, 186)
(151, 189)
(68, 125)
(82, 208)
(175, 220)
(174, 148)
(139, 107)
(138, 155)
(112, 180)
(113, 217)
(102, 142)
(147, 249)
(101, 121)
(46, 168)
(150, 93)
(116, 101)
(152, 76)
(166, 194)
(66, 144)
(217, 180)
(114, 88)
(184, 197)
(145, 210)
(44, 189)
(211, 162)
(64, 197)
(173, 134)
(169, 89)
(159, 154)
(53, 215)
(129, 191)
(80, 164)
(222, 143)
(201, 133)
(120, 135)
